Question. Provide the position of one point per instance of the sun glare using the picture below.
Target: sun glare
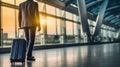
(48, 20)
(42, 21)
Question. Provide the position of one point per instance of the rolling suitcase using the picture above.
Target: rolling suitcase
(18, 50)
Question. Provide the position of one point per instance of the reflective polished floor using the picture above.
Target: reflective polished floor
(105, 55)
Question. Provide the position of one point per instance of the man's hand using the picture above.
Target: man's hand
(39, 28)
(19, 27)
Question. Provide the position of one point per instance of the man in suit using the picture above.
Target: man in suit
(29, 20)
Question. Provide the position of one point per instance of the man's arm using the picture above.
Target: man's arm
(38, 17)
(19, 16)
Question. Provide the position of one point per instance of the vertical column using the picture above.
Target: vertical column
(73, 28)
(44, 27)
(77, 37)
(100, 18)
(106, 32)
(63, 38)
(107, 35)
(56, 21)
(15, 20)
(0, 26)
(113, 36)
(101, 34)
(83, 16)
(73, 25)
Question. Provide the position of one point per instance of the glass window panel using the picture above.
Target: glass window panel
(50, 9)
(19, 1)
(68, 15)
(51, 26)
(8, 24)
(8, 1)
(42, 21)
(51, 30)
(58, 26)
(75, 17)
(69, 32)
(75, 28)
(41, 5)
(69, 28)
(58, 12)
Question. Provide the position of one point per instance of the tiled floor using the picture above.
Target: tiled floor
(106, 55)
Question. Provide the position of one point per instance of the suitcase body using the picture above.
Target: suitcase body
(18, 51)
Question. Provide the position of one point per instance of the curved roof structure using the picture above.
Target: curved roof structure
(93, 6)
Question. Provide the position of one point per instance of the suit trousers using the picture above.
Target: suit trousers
(30, 38)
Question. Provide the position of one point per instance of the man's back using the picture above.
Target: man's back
(28, 14)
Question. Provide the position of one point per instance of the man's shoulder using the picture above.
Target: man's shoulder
(25, 2)
(35, 2)
(28, 2)
(22, 3)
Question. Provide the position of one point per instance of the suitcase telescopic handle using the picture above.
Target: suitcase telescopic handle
(18, 32)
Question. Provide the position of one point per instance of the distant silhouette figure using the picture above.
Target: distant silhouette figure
(29, 20)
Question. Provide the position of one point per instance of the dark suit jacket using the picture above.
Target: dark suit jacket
(28, 14)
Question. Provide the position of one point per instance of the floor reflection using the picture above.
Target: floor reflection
(20, 65)
(29, 64)
(106, 55)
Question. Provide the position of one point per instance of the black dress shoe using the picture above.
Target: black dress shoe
(31, 58)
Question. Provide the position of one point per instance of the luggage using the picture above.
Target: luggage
(18, 50)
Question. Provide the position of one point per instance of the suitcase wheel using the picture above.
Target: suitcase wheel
(23, 63)
(12, 62)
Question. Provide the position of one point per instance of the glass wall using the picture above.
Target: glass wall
(49, 14)
(50, 9)
(8, 25)
(51, 29)
(53, 19)
(69, 32)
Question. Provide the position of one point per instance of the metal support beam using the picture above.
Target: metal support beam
(100, 18)
(93, 3)
(116, 11)
(108, 17)
(83, 16)
(113, 8)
